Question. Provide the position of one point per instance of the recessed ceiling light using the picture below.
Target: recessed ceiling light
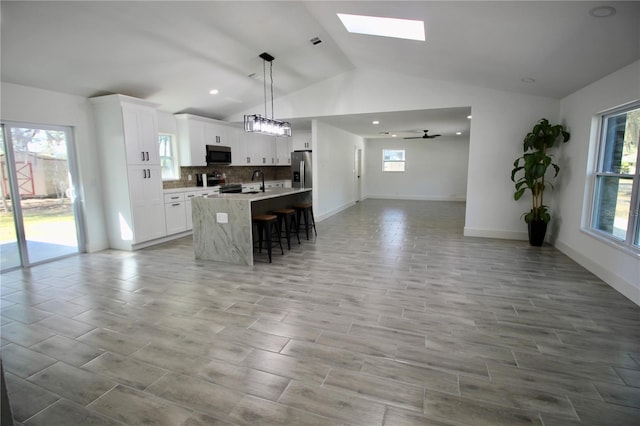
(394, 136)
(469, 117)
(458, 133)
(214, 91)
(375, 122)
(602, 11)
(385, 27)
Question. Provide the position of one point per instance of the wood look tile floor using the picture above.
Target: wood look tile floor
(389, 317)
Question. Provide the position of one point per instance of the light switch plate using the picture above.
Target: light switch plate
(222, 217)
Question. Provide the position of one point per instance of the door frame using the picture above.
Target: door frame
(14, 188)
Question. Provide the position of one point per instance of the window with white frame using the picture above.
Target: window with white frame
(168, 156)
(393, 160)
(616, 201)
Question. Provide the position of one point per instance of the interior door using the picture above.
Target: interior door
(39, 219)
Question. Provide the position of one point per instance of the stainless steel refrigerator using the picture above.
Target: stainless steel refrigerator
(301, 169)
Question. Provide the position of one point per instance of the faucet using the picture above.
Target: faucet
(255, 172)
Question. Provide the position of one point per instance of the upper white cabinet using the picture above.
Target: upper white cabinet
(301, 141)
(247, 149)
(283, 151)
(140, 124)
(195, 133)
(191, 140)
(131, 172)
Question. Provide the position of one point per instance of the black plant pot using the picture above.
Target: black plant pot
(537, 231)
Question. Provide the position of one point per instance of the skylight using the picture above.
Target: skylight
(385, 27)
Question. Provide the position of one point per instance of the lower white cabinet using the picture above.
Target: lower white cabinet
(177, 208)
(175, 212)
(188, 196)
(147, 202)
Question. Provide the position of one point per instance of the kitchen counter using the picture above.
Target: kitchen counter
(222, 226)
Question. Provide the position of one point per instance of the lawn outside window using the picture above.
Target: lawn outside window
(616, 199)
(393, 160)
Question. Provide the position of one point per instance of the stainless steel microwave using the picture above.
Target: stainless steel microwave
(217, 154)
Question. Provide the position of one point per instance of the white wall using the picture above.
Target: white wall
(579, 113)
(166, 122)
(500, 122)
(31, 105)
(435, 169)
(334, 185)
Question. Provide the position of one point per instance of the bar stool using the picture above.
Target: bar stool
(288, 216)
(268, 225)
(306, 211)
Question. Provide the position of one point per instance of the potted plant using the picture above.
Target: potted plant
(529, 172)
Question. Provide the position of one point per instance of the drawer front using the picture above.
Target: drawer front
(189, 195)
(175, 197)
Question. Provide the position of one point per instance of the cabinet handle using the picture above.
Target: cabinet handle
(175, 204)
(147, 155)
(144, 173)
(149, 173)
(175, 198)
(142, 152)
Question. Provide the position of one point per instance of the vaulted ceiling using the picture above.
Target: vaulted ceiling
(174, 52)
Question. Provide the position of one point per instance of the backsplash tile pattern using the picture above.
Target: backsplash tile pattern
(234, 174)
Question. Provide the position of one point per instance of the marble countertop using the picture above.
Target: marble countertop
(269, 193)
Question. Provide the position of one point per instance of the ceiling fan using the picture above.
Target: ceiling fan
(425, 136)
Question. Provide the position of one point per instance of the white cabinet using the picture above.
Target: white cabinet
(175, 212)
(215, 134)
(248, 187)
(283, 151)
(145, 191)
(140, 133)
(178, 208)
(264, 148)
(238, 145)
(188, 196)
(131, 172)
(191, 140)
(301, 141)
(195, 133)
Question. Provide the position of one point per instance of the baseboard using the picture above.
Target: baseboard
(161, 240)
(323, 216)
(622, 286)
(414, 198)
(495, 233)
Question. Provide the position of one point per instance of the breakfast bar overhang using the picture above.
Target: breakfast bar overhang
(222, 225)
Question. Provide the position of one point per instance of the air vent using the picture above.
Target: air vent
(315, 41)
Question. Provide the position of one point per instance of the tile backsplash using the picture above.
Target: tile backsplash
(234, 174)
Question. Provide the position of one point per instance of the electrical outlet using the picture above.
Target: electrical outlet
(222, 218)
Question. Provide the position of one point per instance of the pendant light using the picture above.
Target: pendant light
(257, 123)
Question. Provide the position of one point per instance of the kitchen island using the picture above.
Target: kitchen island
(222, 227)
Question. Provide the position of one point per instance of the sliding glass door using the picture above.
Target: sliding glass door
(39, 216)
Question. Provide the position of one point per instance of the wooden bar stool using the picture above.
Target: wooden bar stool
(305, 210)
(288, 216)
(268, 225)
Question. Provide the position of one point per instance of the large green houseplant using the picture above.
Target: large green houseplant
(529, 172)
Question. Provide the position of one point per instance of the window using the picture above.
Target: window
(616, 201)
(168, 156)
(393, 160)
